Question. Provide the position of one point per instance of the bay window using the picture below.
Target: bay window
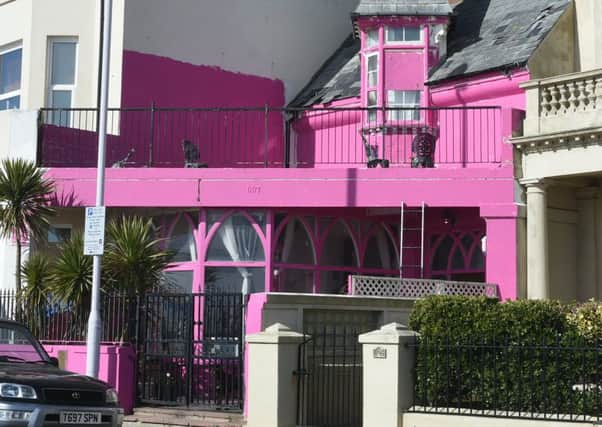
(408, 101)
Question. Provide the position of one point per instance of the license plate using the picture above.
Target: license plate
(80, 418)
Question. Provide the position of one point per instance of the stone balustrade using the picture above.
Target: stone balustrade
(564, 103)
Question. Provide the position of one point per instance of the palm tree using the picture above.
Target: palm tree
(71, 281)
(37, 273)
(24, 204)
(134, 259)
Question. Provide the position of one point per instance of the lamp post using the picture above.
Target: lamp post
(94, 321)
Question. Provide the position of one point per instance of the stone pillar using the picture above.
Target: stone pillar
(272, 387)
(538, 280)
(388, 358)
(587, 253)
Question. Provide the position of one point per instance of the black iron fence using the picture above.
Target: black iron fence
(329, 376)
(557, 379)
(273, 137)
(58, 322)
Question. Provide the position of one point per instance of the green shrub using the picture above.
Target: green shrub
(515, 356)
(586, 318)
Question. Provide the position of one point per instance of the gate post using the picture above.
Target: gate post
(388, 359)
(272, 388)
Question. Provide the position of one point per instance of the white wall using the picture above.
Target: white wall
(279, 39)
(31, 22)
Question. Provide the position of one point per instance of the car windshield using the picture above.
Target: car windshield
(17, 345)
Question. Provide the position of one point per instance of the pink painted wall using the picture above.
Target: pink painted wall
(222, 113)
(117, 367)
(404, 70)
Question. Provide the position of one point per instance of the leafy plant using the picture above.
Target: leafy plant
(24, 204)
(134, 260)
(35, 295)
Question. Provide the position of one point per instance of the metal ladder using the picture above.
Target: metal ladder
(411, 240)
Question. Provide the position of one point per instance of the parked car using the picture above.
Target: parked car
(35, 392)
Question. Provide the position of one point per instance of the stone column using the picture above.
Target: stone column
(272, 387)
(587, 253)
(538, 280)
(388, 359)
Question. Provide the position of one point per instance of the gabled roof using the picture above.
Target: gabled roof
(486, 35)
(338, 78)
(402, 7)
(493, 34)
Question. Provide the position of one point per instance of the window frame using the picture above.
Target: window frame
(58, 227)
(61, 87)
(6, 49)
(368, 72)
(377, 42)
(404, 115)
(388, 42)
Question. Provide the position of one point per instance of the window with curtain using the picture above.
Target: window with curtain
(181, 238)
(294, 246)
(236, 241)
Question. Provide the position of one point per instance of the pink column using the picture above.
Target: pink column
(502, 254)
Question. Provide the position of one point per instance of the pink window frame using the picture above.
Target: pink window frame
(457, 242)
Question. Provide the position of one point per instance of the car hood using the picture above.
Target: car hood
(47, 376)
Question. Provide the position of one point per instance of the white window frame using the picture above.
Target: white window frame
(373, 30)
(372, 112)
(8, 49)
(404, 115)
(404, 41)
(58, 227)
(368, 72)
(61, 87)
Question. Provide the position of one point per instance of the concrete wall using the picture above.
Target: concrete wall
(562, 243)
(435, 420)
(283, 40)
(559, 45)
(31, 22)
(589, 34)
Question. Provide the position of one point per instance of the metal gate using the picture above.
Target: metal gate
(330, 370)
(191, 350)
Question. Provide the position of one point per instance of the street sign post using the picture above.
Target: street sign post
(94, 236)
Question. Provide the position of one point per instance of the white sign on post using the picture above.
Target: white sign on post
(94, 236)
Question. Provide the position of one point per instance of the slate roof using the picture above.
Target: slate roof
(493, 34)
(485, 35)
(402, 7)
(338, 78)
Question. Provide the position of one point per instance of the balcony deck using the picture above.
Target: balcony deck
(278, 138)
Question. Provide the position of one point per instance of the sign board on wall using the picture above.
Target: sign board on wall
(94, 236)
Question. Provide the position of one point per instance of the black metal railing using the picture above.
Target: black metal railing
(58, 322)
(556, 379)
(329, 376)
(273, 137)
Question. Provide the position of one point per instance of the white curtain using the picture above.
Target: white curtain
(242, 243)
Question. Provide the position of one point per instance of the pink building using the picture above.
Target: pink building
(392, 161)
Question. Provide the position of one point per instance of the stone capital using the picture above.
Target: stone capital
(535, 185)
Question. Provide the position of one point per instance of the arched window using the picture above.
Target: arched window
(338, 251)
(235, 255)
(380, 250)
(294, 258)
(181, 239)
(458, 256)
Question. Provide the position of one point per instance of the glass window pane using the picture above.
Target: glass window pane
(372, 38)
(412, 34)
(467, 242)
(294, 245)
(178, 281)
(181, 241)
(477, 261)
(380, 252)
(373, 63)
(334, 282)
(10, 103)
(296, 281)
(63, 63)
(458, 259)
(339, 248)
(372, 98)
(236, 240)
(442, 254)
(61, 99)
(232, 279)
(394, 34)
(10, 71)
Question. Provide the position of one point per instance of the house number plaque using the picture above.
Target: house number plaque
(379, 353)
